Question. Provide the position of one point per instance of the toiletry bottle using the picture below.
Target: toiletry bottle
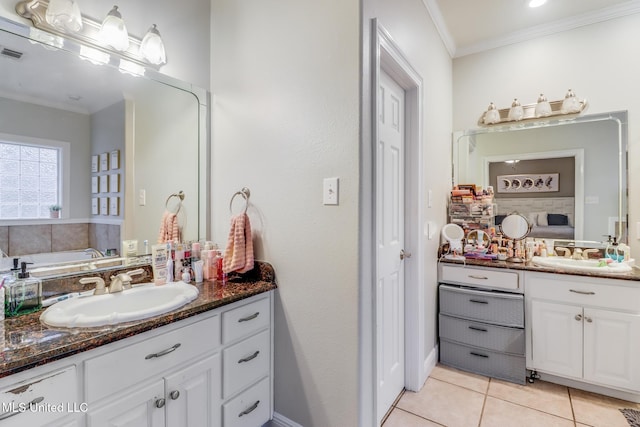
(169, 270)
(177, 260)
(195, 251)
(186, 276)
(219, 274)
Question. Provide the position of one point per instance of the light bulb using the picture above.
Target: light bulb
(492, 115)
(152, 47)
(113, 31)
(516, 112)
(571, 104)
(543, 108)
(64, 15)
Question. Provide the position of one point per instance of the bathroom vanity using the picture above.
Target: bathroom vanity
(579, 330)
(209, 363)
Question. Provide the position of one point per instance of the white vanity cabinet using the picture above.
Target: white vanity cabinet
(214, 369)
(584, 328)
(214, 372)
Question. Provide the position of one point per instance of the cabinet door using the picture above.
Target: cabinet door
(556, 331)
(142, 407)
(194, 395)
(612, 348)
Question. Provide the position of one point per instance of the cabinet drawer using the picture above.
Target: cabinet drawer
(495, 307)
(584, 291)
(245, 320)
(246, 362)
(127, 366)
(483, 278)
(485, 362)
(40, 401)
(485, 335)
(250, 409)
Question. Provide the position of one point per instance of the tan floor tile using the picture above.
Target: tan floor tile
(541, 395)
(468, 380)
(444, 403)
(499, 413)
(400, 418)
(599, 411)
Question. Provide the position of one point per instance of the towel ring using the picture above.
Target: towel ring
(180, 196)
(245, 193)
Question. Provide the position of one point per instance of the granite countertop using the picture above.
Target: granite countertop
(28, 343)
(529, 266)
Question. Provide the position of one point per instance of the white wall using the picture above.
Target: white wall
(597, 62)
(285, 82)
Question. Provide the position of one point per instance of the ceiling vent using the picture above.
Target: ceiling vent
(10, 53)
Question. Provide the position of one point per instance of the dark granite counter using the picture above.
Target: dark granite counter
(529, 266)
(29, 343)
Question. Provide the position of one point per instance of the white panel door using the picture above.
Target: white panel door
(557, 338)
(390, 243)
(141, 407)
(194, 394)
(612, 348)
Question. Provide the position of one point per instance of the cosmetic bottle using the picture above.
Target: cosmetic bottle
(170, 270)
(177, 260)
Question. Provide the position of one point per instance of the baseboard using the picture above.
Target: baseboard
(430, 362)
(618, 394)
(280, 420)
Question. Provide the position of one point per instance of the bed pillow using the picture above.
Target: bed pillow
(557, 219)
(499, 219)
(570, 217)
(542, 219)
(533, 218)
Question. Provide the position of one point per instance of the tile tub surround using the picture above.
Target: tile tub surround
(456, 398)
(28, 343)
(529, 266)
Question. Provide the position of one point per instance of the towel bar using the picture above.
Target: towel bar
(246, 193)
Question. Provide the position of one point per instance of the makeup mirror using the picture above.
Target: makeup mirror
(454, 234)
(478, 239)
(515, 227)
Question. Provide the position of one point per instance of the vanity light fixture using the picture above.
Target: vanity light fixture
(492, 115)
(543, 108)
(516, 112)
(109, 37)
(64, 15)
(152, 47)
(113, 31)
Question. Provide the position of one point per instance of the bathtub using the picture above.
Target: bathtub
(54, 263)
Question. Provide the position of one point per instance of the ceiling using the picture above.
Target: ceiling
(471, 26)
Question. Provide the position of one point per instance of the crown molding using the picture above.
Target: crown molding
(441, 26)
(589, 18)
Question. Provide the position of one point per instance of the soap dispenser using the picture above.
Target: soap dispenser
(24, 295)
(612, 251)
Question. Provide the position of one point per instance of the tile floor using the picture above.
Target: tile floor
(455, 398)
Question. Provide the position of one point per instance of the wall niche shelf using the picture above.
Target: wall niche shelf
(529, 114)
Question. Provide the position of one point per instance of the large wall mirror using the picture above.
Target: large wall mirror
(153, 129)
(567, 177)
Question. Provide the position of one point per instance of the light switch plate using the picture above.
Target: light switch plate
(330, 191)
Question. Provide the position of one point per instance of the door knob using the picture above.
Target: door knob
(404, 254)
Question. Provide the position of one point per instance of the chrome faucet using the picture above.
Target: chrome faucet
(100, 287)
(577, 254)
(122, 281)
(94, 253)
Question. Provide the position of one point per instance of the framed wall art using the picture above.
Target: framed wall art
(532, 183)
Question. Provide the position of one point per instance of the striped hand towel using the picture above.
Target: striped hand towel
(238, 255)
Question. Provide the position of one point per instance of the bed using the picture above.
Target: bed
(551, 217)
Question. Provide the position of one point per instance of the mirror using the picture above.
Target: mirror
(152, 128)
(515, 226)
(478, 239)
(453, 234)
(568, 177)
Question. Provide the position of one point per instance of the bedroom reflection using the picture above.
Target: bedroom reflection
(567, 178)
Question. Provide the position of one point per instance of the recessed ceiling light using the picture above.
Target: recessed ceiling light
(536, 3)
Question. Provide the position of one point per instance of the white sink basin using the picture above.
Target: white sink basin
(585, 265)
(141, 302)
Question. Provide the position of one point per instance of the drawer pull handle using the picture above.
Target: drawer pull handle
(246, 319)
(160, 402)
(248, 358)
(588, 319)
(478, 301)
(250, 409)
(475, 328)
(163, 352)
(19, 410)
(174, 394)
(478, 354)
(471, 276)
(578, 317)
(582, 292)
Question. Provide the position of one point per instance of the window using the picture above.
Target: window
(30, 178)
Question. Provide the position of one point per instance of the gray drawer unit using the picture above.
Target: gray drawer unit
(492, 337)
(494, 307)
(505, 366)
